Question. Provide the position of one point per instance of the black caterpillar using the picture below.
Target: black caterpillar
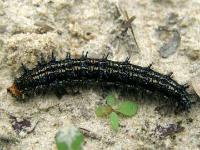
(57, 75)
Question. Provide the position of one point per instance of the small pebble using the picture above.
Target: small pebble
(171, 46)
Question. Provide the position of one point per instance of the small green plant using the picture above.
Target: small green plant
(113, 108)
(69, 138)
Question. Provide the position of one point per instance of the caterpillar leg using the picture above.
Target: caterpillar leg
(60, 92)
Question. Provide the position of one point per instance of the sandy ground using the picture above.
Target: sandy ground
(167, 33)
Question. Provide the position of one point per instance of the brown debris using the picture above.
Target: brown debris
(19, 126)
(169, 130)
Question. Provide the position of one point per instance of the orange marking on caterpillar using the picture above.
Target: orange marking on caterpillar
(14, 91)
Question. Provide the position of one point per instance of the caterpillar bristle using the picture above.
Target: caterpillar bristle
(169, 74)
(127, 60)
(53, 58)
(84, 55)
(149, 66)
(186, 86)
(42, 60)
(105, 56)
(68, 56)
(24, 68)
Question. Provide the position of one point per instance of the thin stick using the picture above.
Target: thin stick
(33, 129)
(130, 20)
(90, 134)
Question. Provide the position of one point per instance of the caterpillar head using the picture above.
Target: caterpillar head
(14, 91)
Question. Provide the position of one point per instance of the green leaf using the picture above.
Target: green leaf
(103, 111)
(111, 100)
(69, 138)
(127, 108)
(77, 143)
(114, 120)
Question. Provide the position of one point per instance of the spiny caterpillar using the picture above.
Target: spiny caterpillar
(57, 75)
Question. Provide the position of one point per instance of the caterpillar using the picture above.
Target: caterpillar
(58, 74)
